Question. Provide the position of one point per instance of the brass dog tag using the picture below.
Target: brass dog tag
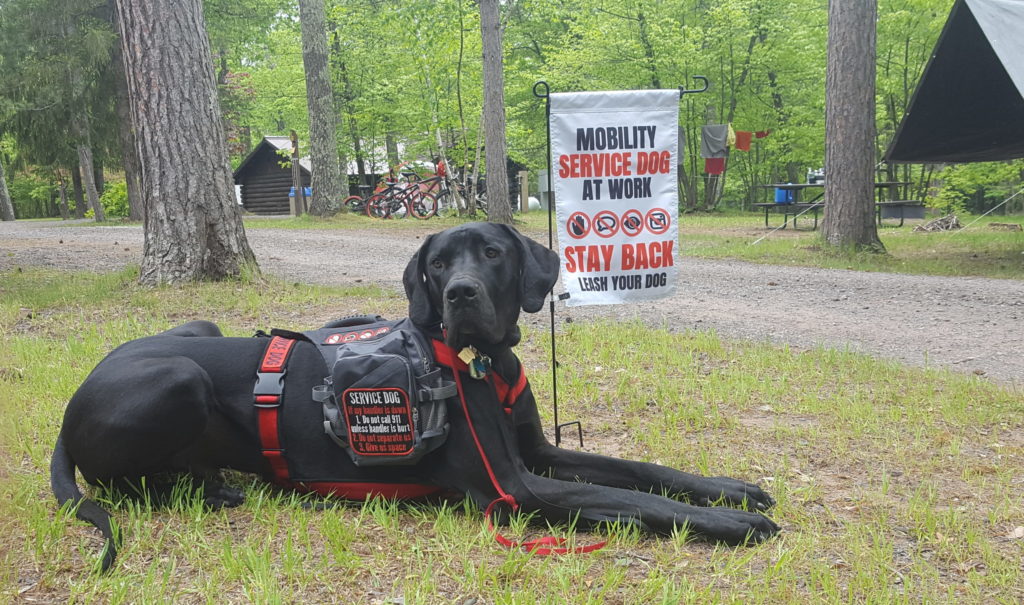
(477, 364)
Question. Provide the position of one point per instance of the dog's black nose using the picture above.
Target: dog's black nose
(461, 290)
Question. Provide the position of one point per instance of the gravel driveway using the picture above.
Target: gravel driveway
(967, 324)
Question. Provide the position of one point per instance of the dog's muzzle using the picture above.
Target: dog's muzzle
(468, 310)
(462, 292)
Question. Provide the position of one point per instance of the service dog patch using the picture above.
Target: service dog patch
(379, 421)
(384, 401)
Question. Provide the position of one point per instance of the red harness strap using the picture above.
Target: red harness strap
(446, 356)
(268, 394)
(359, 491)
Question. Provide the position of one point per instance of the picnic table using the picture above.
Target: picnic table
(884, 208)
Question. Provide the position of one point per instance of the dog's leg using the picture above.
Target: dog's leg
(588, 505)
(545, 459)
(483, 458)
(160, 489)
(140, 416)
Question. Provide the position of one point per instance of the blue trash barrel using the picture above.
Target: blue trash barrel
(783, 196)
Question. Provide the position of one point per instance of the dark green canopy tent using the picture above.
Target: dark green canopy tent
(969, 104)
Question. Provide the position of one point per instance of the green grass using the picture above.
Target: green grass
(977, 250)
(893, 484)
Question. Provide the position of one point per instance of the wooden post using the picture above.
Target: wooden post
(297, 204)
(524, 191)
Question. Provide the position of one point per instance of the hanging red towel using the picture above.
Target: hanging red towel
(714, 165)
(743, 140)
(760, 134)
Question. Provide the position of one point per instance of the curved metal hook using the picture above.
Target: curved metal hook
(683, 91)
(547, 91)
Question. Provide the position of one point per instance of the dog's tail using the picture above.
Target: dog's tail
(62, 480)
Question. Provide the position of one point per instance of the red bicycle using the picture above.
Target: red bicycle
(402, 198)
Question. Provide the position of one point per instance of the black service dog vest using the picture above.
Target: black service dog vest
(351, 414)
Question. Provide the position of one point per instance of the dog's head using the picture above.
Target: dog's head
(473, 279)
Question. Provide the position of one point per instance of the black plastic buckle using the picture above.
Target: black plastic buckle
(269, 383)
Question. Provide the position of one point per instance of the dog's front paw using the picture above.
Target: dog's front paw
(735, 493)
(739, 528)
(220, 496)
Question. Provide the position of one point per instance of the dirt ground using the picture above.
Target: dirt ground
(966, 324)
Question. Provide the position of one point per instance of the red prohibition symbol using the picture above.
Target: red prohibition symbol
(578, 225)
(658, 221)
(632, 222)
(606, 223)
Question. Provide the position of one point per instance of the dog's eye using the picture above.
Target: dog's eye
(437, 264)
(491, 253)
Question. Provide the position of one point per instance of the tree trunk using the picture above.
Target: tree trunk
(300, 205)
(245, 140)
(473, 176)
(98, 176)
(391, 148)
(850, 126)
(343, 102)
(126, 134)
(76, 187)
(498, 208)
(193, 227)
(83, 142)
(6, 207)
(326, 180)
(62, 187)
(645, 43)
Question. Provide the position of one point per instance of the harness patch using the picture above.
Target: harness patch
(337, 338)
(379, 422)
(384, 400)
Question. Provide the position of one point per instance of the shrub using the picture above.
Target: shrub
(978, 187)
(30, 194)
(115, 199)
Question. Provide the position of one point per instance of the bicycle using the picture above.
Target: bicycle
(400, 199)
(444, 192)
(357, 203)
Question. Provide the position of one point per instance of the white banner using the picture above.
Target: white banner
(614, 157)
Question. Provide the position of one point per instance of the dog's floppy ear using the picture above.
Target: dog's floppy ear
(421, 310)
(538, 273)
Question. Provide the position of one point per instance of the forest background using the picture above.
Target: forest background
(407, 80)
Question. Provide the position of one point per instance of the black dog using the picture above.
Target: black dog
(182, 402)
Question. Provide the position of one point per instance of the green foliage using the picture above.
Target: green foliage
(977, 187)
(30, 194)
(115, 199)
(55, 62)
(409, 71)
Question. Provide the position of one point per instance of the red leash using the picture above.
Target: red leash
(541, 546)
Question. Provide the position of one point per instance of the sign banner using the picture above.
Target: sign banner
(614, 157)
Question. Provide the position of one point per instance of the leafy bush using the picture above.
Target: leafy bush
(115, 199)
(978, 187)
(30, 194)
